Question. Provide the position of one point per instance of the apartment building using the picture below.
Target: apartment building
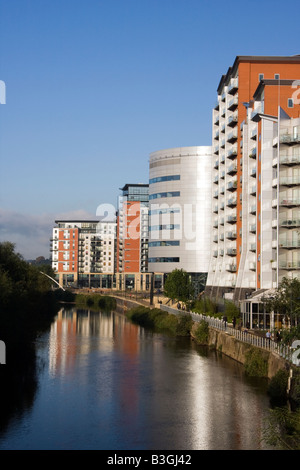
(83, 252)
(180, 211)
(255, 103)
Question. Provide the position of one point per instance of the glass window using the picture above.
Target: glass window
(160, 179)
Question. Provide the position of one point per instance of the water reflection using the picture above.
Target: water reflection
(109, 384)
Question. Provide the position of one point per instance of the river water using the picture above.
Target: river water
(105, 383)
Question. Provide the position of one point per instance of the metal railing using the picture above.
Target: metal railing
(240, 334)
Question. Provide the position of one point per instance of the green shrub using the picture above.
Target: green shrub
(256, 364)
(278, 385)
(184, 325)
(201, 332)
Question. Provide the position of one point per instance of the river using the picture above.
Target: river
(105, 383)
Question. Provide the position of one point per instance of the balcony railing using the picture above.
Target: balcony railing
(289, 180)
(231, 268)
(231, 235)
(232, 185)
(289, 264)
(289, 244)
(289, 139)
(290, 202)
(289, 223)
(289, 159)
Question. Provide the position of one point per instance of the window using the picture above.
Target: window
(160, 179)
(260, 76)
(290, 103)
(163, 260)
(276, 76)
(167, 194)
(165, 243)
(165, 227)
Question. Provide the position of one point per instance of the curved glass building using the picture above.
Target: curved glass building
(180, 185)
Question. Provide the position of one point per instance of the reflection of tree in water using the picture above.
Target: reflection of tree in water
(18, 379)
(19, 376)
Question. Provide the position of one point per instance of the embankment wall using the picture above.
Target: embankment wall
(225, 343)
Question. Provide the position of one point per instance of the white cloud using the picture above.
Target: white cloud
(31, 233)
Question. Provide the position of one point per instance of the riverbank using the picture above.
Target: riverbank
(283, 377)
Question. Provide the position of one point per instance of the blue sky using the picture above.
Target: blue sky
(94, 86)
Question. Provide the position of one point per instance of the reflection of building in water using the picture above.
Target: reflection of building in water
(77, 332)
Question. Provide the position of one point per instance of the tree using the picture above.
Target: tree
(178, 286)
(286, 299)
(19, 280)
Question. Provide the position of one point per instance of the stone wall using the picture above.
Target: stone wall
(237, 350)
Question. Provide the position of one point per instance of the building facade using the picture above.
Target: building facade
(132, 231)
(254, 104)
(83, 252)
(180, 211)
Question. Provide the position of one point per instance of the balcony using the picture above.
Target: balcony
(252, 266)
(253, 134)
(289, 159)
(232, 120)
(253, 190)
(290, 202)
(216, 149)
(232, 136)
(231, 268)
(231, 251)
(253, 172)
(252, 228)
(232, 185)
(231, 235)
(233, 103)
(252, 154)
(289, 244)
(232, 202)
(232, 153)
(289, 180)
(232, 169)
(252, 247)
(233, 86)
(231, 219)
(289, 223)
(290, 139)
(289, 264)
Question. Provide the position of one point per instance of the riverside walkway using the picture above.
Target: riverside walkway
(243, 335)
